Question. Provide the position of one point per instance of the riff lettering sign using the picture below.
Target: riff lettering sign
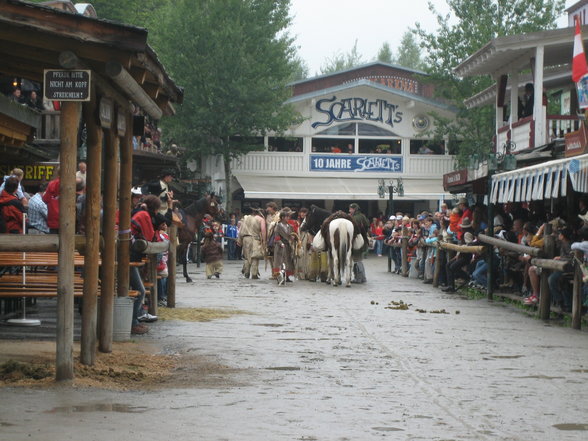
(41, 171)
(356, 163)
(66, 85)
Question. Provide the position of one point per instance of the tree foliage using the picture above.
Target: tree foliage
(339, 61)
(142, 13)
(409, 52)
(385, 54)
(469, 26)
(234, 59)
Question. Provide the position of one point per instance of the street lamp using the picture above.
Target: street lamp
(398, 189)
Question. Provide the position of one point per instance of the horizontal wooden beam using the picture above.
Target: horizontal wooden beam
(499, 243)
(126, 82)
(30, 17)
(38, 242)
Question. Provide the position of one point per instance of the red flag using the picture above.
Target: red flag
(579, 67)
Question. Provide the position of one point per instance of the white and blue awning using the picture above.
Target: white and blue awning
(540, 181)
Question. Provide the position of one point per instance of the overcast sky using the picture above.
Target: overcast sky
(325, 28)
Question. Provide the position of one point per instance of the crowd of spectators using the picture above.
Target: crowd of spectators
(516, 223)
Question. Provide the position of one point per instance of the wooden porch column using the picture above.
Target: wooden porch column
(92, 222)
(577, 294)
(70, 118)
(108, 223)
(124, 200)
(538, 112)
(549, 252)
(514, 97)
(171, 266)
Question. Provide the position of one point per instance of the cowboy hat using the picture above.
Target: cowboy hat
(584, 217)
(462, 201)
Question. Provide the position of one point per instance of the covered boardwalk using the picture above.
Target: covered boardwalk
(125, 77)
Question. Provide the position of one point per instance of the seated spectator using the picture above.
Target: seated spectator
(455, 266)
(562, 298)
(19, 174)
(33, 101)
(17, 96)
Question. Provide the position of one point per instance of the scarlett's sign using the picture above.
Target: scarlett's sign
(356, 163)
(357, 109)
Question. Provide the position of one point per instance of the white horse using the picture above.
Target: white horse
(339, 245)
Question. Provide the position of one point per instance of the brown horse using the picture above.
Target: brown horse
(191, 222)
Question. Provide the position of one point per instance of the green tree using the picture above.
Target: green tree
(409, 52)
(299, 69)
(234, 58)
(385, 54)
(339, 61)
(469, 25)
(143, 13)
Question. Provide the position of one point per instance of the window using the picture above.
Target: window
(287, 144)
(332, 145)
(380, 146)
(426, 147)
(340, 130)
(370, 130)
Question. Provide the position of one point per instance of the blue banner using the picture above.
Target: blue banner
(356, 163)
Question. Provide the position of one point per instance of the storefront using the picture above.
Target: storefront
(360, 127)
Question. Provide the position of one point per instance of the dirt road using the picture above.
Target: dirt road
(313, 362)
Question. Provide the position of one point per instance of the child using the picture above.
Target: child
(212, 253)
(162, 273)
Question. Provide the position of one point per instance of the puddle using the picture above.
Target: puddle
(571, 426)
(388, 429)
(283, 368)
(121, 408)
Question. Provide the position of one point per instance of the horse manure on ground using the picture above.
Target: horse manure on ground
(196, 314)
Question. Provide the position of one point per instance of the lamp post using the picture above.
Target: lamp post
(392, 189)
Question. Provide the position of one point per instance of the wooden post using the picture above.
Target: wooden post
(171, 266)
(404, 242)
(124, 223)
(70, 119)
(152, 277)
(440, 259)
(92, 254)
(549, 251)
(577, 296)
(109, 254)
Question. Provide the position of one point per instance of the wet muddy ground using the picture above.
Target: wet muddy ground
(313, 362)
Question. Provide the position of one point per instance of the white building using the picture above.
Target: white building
(360, 126)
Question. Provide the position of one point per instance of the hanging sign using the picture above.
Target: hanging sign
(356, 163)
(66, 85)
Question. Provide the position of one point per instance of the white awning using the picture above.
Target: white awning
(295, 187)
(541, 181)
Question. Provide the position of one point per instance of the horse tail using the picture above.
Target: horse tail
(343, 246)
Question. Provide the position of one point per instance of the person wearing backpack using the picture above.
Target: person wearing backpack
(11, 208)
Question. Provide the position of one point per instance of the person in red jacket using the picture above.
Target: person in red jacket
(12, 208)
(51, 198)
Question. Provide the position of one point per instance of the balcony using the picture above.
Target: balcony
(299, 164)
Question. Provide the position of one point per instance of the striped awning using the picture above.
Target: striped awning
(541, 181)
